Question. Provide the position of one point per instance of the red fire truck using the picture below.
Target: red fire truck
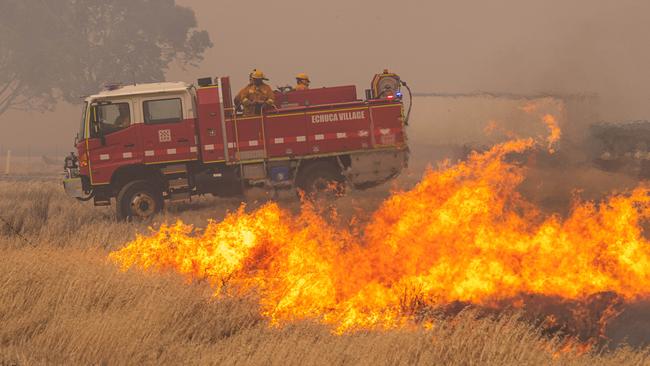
(142, 144)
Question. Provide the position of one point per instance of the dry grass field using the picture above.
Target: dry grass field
(62, 302)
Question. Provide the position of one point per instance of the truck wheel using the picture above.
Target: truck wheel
(321, 180)
(138, 200)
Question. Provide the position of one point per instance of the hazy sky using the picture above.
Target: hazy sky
(454, 46)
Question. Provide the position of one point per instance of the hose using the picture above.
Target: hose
(408, 113)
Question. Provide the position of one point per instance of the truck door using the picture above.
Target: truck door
(113, 139)
(168, 133)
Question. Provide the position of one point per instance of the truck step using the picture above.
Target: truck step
(101, 202)
(180, 196)
(178, 183)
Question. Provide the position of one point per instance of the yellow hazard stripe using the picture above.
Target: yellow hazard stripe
(242, 119)
(338, 110)
(170, 161)
(286, 115)
(87, 137)
(386, 106)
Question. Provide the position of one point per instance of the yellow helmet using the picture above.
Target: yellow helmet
(258, 74)
(302, 76)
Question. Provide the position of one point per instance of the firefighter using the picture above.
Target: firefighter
(302, 81)
(255, 95)
(124, 119)
(238, 96)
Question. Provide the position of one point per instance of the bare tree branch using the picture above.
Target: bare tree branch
(9, 96)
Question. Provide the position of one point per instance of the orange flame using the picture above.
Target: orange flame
(462, 234)
(554, 129)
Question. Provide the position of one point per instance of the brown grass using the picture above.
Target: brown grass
(62, 302)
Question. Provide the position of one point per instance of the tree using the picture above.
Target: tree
(54, 50)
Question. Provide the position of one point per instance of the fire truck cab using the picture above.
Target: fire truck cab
(142, 144)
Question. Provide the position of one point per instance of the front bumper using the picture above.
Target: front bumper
(73, 187)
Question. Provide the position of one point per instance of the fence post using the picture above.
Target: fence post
(8, 163)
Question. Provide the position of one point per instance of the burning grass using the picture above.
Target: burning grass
(61, 301)
(459, 269)
(462, 235)
(69, 306)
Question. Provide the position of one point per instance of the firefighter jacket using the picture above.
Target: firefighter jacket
(252, 97)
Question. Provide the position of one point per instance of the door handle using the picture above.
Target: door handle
(129, 145)
(182, 140)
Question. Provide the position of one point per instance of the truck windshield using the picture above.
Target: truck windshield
(82, 128)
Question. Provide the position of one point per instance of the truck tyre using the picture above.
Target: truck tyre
(139, 200)
(321, 180)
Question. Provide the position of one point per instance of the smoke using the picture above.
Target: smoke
(505, 46)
